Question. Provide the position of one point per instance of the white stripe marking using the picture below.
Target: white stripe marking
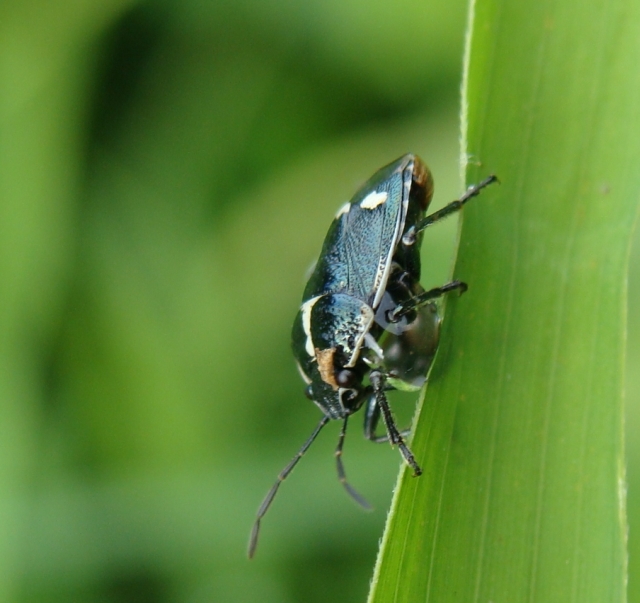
(306, 324)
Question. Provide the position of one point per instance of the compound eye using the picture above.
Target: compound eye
(346, 378)
(308, 392)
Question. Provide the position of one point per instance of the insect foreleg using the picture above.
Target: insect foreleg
(394, 435)
(371, 418)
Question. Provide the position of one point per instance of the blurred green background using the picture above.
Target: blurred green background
(167, 173)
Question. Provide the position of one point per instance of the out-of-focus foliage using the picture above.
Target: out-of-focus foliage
(167, 173)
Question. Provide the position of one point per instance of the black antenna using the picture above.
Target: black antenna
(342, 476)
(268, 499)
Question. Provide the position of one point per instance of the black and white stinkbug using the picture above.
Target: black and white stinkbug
(364, 313)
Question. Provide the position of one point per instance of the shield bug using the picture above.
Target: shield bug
(365, 316)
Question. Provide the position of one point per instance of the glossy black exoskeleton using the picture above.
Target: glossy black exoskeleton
(364, 313)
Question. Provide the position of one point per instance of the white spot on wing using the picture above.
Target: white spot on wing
(343, 210)
(372, 200)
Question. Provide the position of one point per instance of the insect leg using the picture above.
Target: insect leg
(395, 437)
(410, 236)
(419, 300)
(371, 418)
(342, 476)
(268, 499)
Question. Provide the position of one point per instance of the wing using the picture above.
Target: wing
(357, 251)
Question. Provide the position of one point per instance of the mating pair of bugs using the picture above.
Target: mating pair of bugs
(364, 312)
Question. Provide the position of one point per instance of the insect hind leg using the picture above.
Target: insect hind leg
(409, 237)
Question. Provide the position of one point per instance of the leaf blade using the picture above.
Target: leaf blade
(521, 435)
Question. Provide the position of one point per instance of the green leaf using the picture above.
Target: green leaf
(520, 436)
